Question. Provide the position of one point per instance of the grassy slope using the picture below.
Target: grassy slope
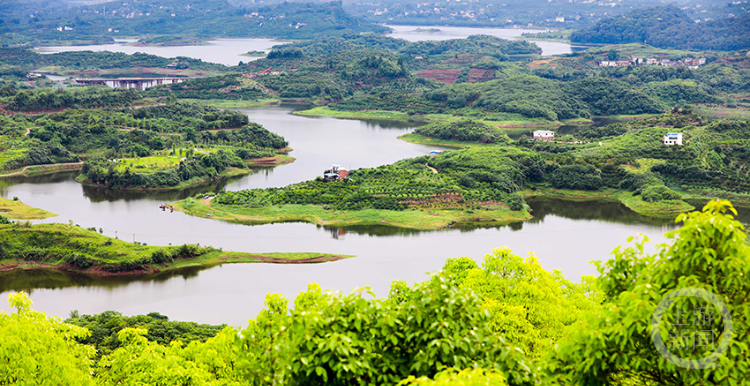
(60, 240)
(400, 116)
(423, 140)
(20, 211)
(413, 219)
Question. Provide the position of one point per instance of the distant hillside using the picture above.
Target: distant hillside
(203, 19)
(669, 27)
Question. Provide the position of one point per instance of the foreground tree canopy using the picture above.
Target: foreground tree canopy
(506, 321)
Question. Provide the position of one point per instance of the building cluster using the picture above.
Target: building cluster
(634, 61)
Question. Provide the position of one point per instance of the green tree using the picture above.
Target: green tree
(709, 252)
(529, 306)
(40, 350)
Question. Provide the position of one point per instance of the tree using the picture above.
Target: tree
(40, 350)
(530, 307)
(709, 253)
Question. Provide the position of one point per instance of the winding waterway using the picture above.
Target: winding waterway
(229, 52)
(564, 235)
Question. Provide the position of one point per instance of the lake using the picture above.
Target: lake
(564, 235)
(419, 33)
(229, 51)
(223, 51)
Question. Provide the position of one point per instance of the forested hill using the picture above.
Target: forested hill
(203, 19)
(669, 27)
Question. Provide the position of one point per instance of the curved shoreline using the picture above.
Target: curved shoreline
(316, 214)
(206, 261)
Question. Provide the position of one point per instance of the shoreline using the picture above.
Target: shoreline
(663, 209)
(383, 115)
(231, 172)
(315, 214)
(41, 170)
(209, 260)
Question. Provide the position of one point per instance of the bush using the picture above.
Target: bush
(655, 193)
(78, 260)
(161, 256)
(516, 202)
(579, 177)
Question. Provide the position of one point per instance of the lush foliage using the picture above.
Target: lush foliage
(36, 349)
(104, 329)
(709, 252)
(670, 27)
(196, 168)
(210, 18)
(508, 321)
(464, 130)
(81, 249)
(484, 178)
(81, 98)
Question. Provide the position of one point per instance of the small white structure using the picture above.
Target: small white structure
(672, 139)
(544, 135)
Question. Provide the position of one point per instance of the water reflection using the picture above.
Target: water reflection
(31, 280)
(573, 234)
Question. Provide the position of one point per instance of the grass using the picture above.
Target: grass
(423, 140)
(626, 117)
(279, 159)
(20, 211)
(644, 165)
(721, 112)
(148, 164)
(411, 219)
(661, 209)
(10, 154)
(238, 104)
(39, 170)
(60, 240)
(423, 118)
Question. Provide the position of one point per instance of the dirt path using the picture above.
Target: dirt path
(28, 131)
(33, 166)
(431, 168)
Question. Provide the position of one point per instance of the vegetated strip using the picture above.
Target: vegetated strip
(421, 118)
(74, 249)
(18, 210)
(316, 214)
(40, 170)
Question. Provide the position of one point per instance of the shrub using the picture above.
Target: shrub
(579, 177)
(79, 260)
(161, 256)
(655, 193)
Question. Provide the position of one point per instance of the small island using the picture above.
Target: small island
(427, 30)
(71, 248)
(255, 53)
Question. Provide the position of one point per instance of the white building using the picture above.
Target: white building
(672, 139)
(544, 135)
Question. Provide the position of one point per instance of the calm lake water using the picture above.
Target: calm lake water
(229, 51)
(419, 33)
(564, 235)
(223, 51)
